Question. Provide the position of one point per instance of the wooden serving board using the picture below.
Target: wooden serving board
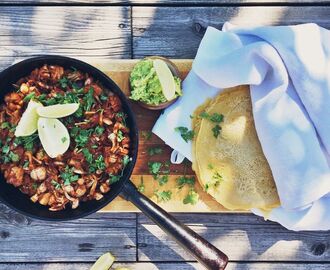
(119, 71)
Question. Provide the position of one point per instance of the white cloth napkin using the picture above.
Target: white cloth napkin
(288, 70)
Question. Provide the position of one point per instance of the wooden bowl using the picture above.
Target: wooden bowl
(175, 71)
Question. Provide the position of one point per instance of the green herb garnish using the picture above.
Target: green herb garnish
(5, 125)
(163, 196)
(186, 134)
(155, 151)
(191, 198)
(89, 99)
(141, 186)
(216, 118)
(99, 130)
(216, 131)
(68, 176)
(29, 96)
(184, 180)
(120, 136)
(55, 184)
(64, 139)
(146, 135)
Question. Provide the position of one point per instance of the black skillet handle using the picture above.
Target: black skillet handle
(205, 252)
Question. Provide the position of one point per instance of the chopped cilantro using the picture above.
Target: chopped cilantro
(162, 180)
(99, 130)
(155, 151)
(186, 134)
(88, 155)
(215, 181)
(191, 198)
(210, 166)
(184, 180)
(29, 96)
(14, 157)
(26, 164)
(146, 135)
(63, 82)
(113, 178)
(26, 141)
(82, 137)
(215, 118)
(5, 125)
(34, 186)
(5, 149)
(120, 136)
(163, 196)
(89, 99)
(68, 176)
(154, 167)
(103, 97)
(64, 139)
(56, 184)
(123, 116)
(141, 186)
(216, 131)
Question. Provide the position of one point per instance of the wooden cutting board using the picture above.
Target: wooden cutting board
(119, 71)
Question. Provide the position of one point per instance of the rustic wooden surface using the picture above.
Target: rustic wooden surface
(101, 30)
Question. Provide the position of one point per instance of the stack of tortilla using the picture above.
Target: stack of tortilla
(232, 167)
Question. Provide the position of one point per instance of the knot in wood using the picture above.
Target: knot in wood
(318, 249)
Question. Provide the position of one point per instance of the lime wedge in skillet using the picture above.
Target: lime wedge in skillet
(104, 262)
(166, 78)
(58, 110)
(53, 136)
(28, 122)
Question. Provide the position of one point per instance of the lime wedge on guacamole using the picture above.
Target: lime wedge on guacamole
(166, 78)
(53, 136)
(58, 110)
(104, 262)
(28, 122)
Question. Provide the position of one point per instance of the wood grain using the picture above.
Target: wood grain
(243, 237)
(26, 240)
(167, 266)
(81, 32)
(177, 31)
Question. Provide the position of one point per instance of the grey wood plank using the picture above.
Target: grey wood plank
(167, 266)
(81, 32)
(166, 2)
(177, 32)
(243, 237)
(27, 240)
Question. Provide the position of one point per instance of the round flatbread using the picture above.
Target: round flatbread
(232, 167)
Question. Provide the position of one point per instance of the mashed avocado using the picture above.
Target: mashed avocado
(145, 85)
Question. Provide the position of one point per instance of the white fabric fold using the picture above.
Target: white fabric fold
(288, 70)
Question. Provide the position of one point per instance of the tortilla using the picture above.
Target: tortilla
(232, 168)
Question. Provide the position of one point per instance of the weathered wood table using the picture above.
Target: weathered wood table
(103, 29)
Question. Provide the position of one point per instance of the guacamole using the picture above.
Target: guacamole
(145, 85)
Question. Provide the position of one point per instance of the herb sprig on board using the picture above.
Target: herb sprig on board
(186, 134)
(216, 118)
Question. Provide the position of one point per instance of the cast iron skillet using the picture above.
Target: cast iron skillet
(206, 253)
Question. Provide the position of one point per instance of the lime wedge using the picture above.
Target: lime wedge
(58, 111)
(53, 136)
(166, 78)
(27, 125)
(104, 262)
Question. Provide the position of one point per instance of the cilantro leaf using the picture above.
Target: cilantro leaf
(184, 180)
(155, 151)
(191, 198)
(216, 131)
(186, 134)
(141, 186)
(163, 196)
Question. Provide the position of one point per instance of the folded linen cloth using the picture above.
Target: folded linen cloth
(288, 70)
